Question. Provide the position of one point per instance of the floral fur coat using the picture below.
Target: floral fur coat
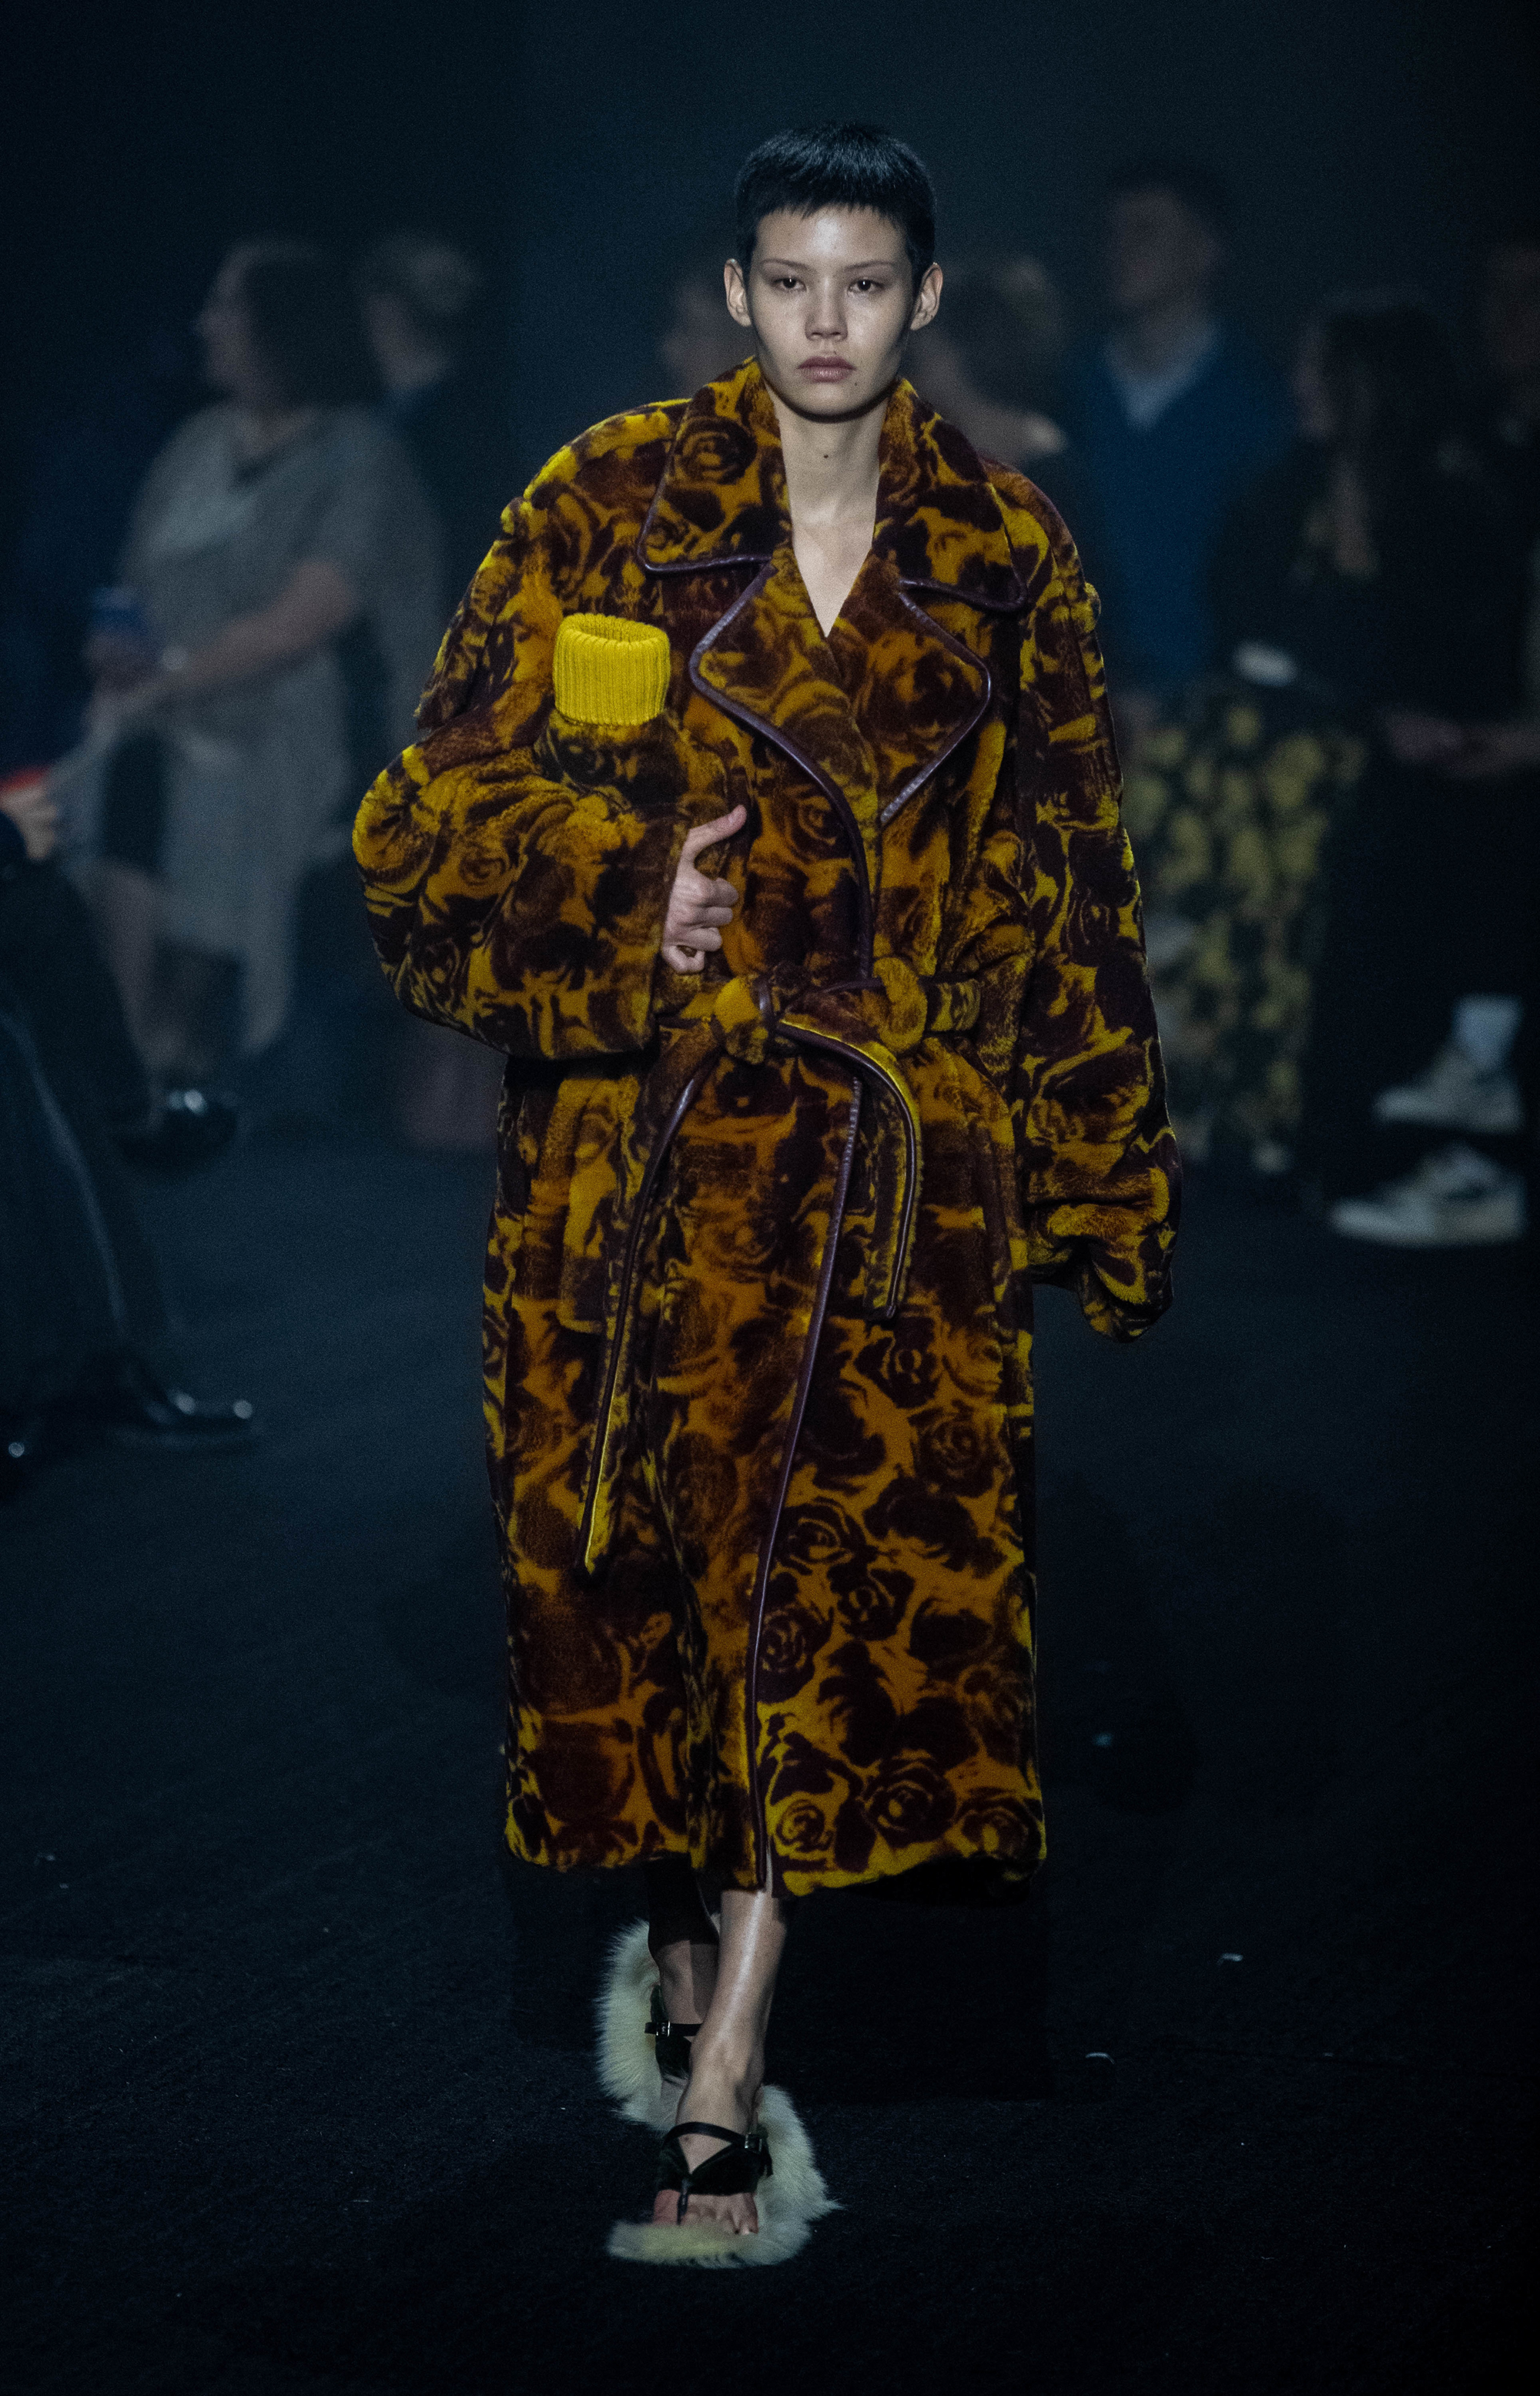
(758, 1293)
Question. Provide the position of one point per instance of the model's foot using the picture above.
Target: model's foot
(725, 2089)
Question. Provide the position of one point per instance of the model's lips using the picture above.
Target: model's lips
(826, 369)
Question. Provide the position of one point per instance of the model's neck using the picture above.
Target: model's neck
(832, 467)
(1156, 337)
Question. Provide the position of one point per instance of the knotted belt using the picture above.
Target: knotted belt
(865, 1025)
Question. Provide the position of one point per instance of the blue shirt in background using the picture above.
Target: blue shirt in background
(1161, 486)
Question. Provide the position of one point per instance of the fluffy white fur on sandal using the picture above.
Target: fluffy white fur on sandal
(628, 2069)
(789, 2202)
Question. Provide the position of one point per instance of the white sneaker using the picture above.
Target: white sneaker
(1456, 1198)
(1456, 1095)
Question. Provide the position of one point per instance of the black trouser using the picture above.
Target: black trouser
(1433, 893)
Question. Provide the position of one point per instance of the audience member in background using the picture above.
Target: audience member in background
(1403, 562)
(78, 484)
(83, 1332)
(1174, 414)
(1479, 1082)
(699, 341)
(1330, 629)
(421, 301)
(1507, 426)
(991, 363)
(271, 523)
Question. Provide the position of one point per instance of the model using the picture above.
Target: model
(765, 815)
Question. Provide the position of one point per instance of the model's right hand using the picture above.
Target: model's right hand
(699, 905)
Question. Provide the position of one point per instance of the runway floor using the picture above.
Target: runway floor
(300, 2076)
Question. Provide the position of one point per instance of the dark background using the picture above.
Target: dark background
(304, 2103)
(580, 153)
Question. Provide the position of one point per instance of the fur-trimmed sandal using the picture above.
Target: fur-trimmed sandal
(737, 2170)
(631, 2062)
(789, 2202)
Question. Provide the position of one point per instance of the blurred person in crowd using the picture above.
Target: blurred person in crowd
(1506, 423)
(1480, 1082)
(83, 1343)
(1322, 927)
(1328, 628)
(79, 480)
(422, 300)
(272, 523)
(991, 364)
(1174, 413)
(699, 341)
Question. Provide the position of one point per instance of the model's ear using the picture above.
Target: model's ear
(735, 286)
(928, 300)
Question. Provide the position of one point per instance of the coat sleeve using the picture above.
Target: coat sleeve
(512, 893)
(1099, 1173)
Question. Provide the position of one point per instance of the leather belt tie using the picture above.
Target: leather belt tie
(865, 1025)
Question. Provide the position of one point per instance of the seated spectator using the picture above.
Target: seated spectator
(84, 1347)
(991, 364)
(269, 524)
(1284, 848)
(420, 299)
(1174, 413)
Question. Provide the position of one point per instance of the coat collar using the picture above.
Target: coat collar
(722, 500)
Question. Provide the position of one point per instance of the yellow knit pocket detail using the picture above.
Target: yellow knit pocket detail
(609, 671)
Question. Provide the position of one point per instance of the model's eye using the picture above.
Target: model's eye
(867, 283)
(788, 283)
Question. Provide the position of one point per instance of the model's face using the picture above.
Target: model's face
(1510, 315)
(828, 301)
(1159, 254)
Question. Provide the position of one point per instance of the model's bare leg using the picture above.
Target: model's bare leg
(681, 1939)
(127, 904)
(727, 2060)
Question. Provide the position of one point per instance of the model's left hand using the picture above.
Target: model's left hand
(700, 905)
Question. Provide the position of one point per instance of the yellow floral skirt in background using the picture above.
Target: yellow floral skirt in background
(1233, 814)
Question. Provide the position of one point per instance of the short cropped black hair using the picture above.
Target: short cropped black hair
(837, 166)
(1199, 188)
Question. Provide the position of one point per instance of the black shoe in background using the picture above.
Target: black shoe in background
(188, 1130)
(20, 1453)
(134, 1408)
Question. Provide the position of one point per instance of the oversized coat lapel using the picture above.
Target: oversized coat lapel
(872, 712)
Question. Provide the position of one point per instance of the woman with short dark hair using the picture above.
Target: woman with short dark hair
(764, 815)
(271, 523)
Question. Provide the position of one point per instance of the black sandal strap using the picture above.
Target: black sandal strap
(738, 2170)
(674, 2039)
